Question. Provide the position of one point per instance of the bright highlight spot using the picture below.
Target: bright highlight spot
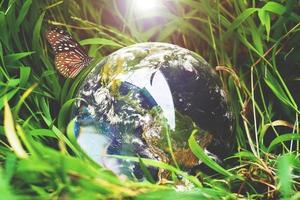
(146, 5)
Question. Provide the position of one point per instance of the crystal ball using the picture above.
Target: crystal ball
(144, 101)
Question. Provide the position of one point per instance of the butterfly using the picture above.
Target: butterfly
(70, 57)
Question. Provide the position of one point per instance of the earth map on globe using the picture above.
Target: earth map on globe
(144, 101)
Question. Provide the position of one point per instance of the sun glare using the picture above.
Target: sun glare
(146, 5)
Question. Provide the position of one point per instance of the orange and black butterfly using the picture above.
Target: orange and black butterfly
(70, 56)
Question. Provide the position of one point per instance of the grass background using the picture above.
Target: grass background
(254, 46)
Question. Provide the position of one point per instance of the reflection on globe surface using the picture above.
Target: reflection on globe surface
(133, 99)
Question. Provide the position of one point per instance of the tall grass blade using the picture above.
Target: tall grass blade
(11, 134)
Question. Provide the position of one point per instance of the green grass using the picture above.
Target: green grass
(254, 46)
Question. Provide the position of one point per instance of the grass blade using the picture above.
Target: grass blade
(201, 155)
(11, 134)
(100, 41)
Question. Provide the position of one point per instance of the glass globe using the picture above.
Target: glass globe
(142, 96)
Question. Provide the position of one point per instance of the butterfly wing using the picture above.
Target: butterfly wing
(68, 64)
(70, 57)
